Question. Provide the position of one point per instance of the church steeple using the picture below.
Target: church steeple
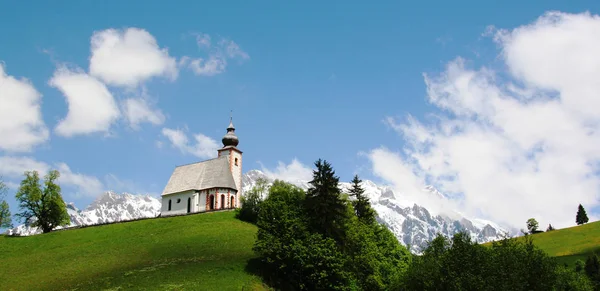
(230, 139)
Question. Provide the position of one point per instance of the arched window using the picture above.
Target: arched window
(211, 205)
(222, 201)
(232, 202)
(236, 163)
(169, 204)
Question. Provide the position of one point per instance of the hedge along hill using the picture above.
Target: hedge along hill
(207, 251)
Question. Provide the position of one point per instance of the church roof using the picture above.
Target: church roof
(208, 174)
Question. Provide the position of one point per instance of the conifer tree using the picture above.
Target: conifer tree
(549, 227)
(325, 206)
(581, 217)
(45, 205)
(362, 207)
(5, 217)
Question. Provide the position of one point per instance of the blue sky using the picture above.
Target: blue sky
(305, 80)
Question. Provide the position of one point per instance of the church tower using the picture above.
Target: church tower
(230, 142)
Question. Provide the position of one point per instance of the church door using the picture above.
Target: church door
(222, 201)
(189, 205)
(211, 205)
(232, 202)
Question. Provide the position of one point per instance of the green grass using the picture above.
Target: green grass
(207, 251)
(570, 244)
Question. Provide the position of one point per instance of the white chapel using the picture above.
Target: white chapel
(209, 185)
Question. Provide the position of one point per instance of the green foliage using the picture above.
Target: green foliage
(298, 252)
(532, 225)
(207, 251)
(592, 269)
(461, 264)
(550, 228)
(325, 207)
(581, 216)
(45, 205)
(362, 207)
(251, 202)
(5, 217)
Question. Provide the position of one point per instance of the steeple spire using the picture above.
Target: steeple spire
(230, 139)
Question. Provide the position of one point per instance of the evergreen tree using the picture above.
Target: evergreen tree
(581, 217)
(46, 205)
(362, 207)
(324, 204)
(549, 227)
(5, 217)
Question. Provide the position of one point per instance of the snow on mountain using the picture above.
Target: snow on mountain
(108, 207)
(413, 225)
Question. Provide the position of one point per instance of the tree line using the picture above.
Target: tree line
(40, 202)
(325, 239)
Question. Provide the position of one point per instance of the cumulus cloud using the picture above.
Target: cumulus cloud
(14, 167)
(92, 107)
(21, 123)
(515, 147)
(138, 110)
(293, 172)
(128, 57)
(218, 56)
(202, 146)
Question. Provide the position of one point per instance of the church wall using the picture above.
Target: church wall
(236, 170)
(177, 208)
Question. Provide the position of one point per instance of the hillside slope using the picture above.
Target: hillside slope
(207, 251)
(570, 244)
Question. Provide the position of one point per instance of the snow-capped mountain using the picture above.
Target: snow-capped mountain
(413, 225)
(108, 207)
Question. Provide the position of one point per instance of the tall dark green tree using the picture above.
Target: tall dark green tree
(581, 217)
(592, 269)
(44, 206)
(362, 207)
(326, 208)
(5, 217)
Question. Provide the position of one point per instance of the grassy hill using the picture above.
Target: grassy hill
(570, 244)
(197, 252)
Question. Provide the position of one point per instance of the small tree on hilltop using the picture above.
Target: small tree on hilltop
(532, 225)
(45, 205)
(362, 207)
(327, 209)
(581, 217)
(550, 227)
(5, 217)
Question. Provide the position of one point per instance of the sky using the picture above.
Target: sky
(495, 104)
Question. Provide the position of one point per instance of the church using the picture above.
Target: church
(209, 185)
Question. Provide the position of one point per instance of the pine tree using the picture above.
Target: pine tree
(549, 227)
(362, 207)
(45, 205)
(581, 217)
(327, 211)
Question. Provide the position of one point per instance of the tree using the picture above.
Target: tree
(45, 207)
(532, 225)
(581, 217)
(252, 200)
(5, 217)
(362, 207)
(325, 206)
(549, 227)
(592, 269)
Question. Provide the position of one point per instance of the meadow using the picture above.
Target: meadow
(208, 251)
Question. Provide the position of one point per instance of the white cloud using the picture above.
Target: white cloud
(21, 123)
(13, 168)
(129, 57)
(506, 151)
(292, 172)
(92, 107)
(217, 60)
(202, 147)
(138, 110)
